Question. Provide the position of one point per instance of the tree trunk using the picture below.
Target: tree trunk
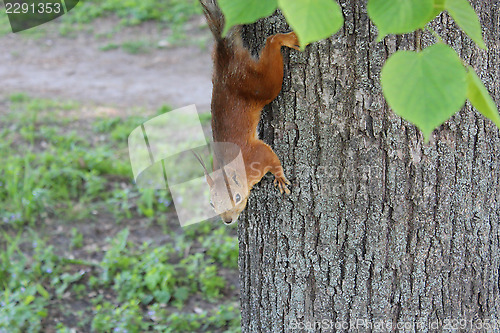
(382, 232)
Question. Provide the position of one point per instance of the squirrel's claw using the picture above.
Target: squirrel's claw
(282, 183)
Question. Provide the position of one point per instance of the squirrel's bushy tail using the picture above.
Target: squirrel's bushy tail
(215, 20)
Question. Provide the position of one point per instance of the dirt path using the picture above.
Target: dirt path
(75, 68)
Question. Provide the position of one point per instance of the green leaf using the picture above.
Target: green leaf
(399, 16)
(162, 296)
(152, 278)
(42, 291)
(425, 88)
(42, 313)
(465, 16)
(245, 11)
(480, 98)
(181, 294)
(28, 299)
(312, 20)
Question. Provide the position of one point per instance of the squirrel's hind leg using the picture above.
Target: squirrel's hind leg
(264, 77)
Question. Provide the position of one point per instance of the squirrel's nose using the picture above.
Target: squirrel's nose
(228, 221)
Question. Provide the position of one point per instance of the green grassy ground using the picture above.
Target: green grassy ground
(171, 18)
(173, 13)
(81, 248)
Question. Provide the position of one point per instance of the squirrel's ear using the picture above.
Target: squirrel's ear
(209, 179)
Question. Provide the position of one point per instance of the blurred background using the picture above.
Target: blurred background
(82, 249)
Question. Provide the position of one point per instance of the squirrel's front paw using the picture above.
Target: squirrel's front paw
(282, 183)
(292, 41)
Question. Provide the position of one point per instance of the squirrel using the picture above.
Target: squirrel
(242, 86)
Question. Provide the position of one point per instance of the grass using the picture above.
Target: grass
(136, 46)
(81, 248)
(172, 13)
(170, 16)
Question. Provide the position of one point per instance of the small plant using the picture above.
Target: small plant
(76, 239)
(123, 318)
(109, 47)
(211, 284)
(63, 281)
(24, 299)
(227, 316)
(225, 250)
(118, 128)
(136, 47)
(172, 12)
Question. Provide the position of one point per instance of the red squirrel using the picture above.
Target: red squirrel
(242, 86)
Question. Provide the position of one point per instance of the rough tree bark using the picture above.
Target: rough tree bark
(380, 227)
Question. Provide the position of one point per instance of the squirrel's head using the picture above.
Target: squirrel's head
(228, 193)
(229, 190)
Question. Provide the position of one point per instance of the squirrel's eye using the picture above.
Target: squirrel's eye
(212, 204)
(237, 198)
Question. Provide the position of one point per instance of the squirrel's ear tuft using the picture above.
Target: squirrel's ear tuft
(210, 181)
